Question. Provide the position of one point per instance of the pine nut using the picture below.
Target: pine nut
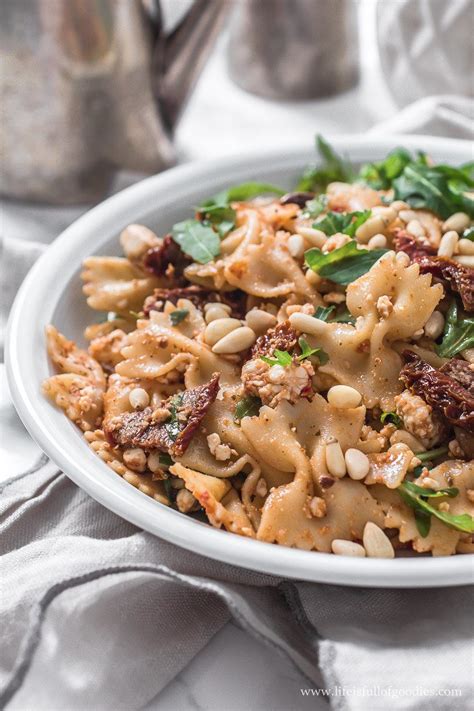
(416, 229)
(388, 214)
(376, 543)
(357, 464)
(370, 228)
(315, 237)
(398, 205)
(219, 328)
(135, 459)
(448, 244)
(209, 305)
(466, 246)
(458, 222)
(467, 261)
(344, 396)
(435, 325)
(335, 461)
(214, 312)
(238, 340)
(377, 242)
(296, 246)
(153, 462)
(407, 215)
(403, 259)
(260, 321)
(137, 239)
(403, 437)
(341, 547)
(139, 398)
(307, 324)
(312, 277)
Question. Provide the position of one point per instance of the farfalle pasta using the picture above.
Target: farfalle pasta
(294, 368)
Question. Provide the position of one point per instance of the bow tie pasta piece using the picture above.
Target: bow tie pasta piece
(223, 508)
(390, 302)
(159, 350)
(115, 284)
(267, 269)
(285, 517)
(79, 389)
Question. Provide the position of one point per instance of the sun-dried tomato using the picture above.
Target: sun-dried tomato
(187, 410)
(440, 390)
(283, 338)
(199, 297)
(158, 260)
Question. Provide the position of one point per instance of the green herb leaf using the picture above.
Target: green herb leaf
(423, 522)
(344, 317)
(323, 312)
(391, 417)
(281, 358)
(315, 207)
(197, 240)
(343, 265)
(307, 351)
(418, 471)
(458, 333)
(165, 460)
(439, 188)
(380, 174)
(333, 168)
(431, 454)
(168, 488)
(345, 222)
(178, 315)
(172, 425)
(461, 522)
(247, 407)
(450, 491)
(134, 314)
(469, 233)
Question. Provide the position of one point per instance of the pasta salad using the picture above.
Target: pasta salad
(296, 367)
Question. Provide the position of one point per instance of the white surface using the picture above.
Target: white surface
(52, 293)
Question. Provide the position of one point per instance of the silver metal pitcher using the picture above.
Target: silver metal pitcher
(88, 87)
(294, 49)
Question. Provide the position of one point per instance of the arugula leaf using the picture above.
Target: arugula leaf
(172, 424)
(178, 315)
(345, 222)
(307, 351)
(440, 188)
(423, 522)
(431, 454)
(281, 358)
(461, 522)
(315, 206)
(334, 168)
(165, 460)
(418, 471)
(469, 233)
(247, 407)
(391, 417)
(458, 333)
(218, 211)
(133, 314)
(343, 265)
(169, 490)
(323, 312)
(344, 317)
(380, 174)
(197, 240)
(450, 491)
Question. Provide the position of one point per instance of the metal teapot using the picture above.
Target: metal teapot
(88, 87)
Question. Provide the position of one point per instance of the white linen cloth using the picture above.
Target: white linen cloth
(97, 614)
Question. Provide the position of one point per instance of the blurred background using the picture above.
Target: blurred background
(97, 93)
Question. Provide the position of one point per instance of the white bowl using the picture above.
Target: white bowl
(52, 294)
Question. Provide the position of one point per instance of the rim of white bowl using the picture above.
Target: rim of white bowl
(39, 295)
